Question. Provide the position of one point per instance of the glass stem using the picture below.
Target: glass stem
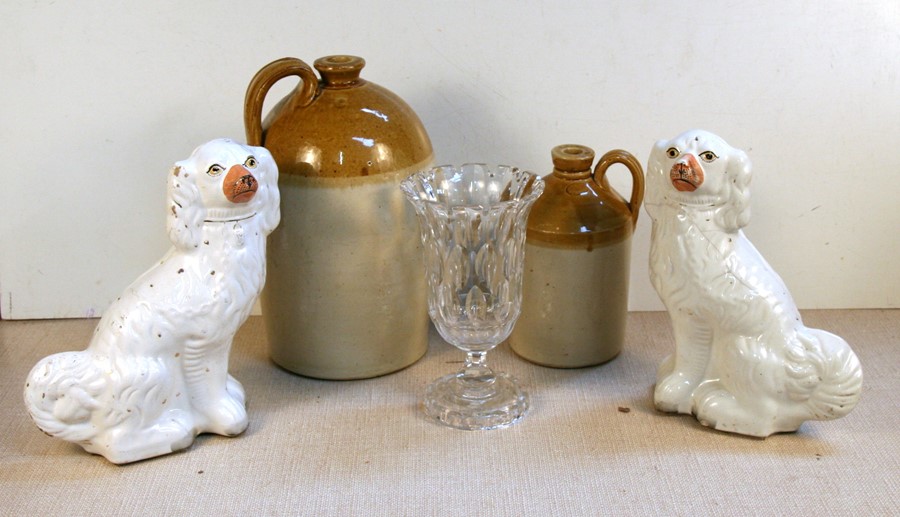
(476, 370)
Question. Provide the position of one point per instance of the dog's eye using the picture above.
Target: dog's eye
(250, 163)
(708, 156)
(672, 152)
(215, 169)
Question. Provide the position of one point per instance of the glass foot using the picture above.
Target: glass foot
(478, 403)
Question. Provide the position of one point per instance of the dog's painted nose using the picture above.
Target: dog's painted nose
(687, 174)
(239, 185)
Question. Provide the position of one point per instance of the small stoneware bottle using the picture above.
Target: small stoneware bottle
(577, 256)
(346, 294)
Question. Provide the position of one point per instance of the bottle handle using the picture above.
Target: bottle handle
(637, 177)
(259, 86)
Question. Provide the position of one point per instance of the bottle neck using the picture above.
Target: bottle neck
(572, 175)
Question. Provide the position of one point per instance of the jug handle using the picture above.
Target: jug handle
(637, 177)
(264, 80)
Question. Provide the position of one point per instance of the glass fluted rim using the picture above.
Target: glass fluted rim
(520, 187)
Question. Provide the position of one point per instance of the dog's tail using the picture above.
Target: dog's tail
(823, 374)
(61, 395)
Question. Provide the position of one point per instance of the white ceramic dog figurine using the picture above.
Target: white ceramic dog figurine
(155, 373)
(743, 360)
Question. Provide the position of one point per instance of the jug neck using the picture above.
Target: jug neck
(340, 71)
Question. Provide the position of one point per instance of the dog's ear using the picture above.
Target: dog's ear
(268, 195)
(736, 213)
(184, 221)
(657, 156)
(656, 176)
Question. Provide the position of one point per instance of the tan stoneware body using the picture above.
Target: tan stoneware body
(345, 297)
(577, 256)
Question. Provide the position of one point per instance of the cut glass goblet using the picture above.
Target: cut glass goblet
(472, 221)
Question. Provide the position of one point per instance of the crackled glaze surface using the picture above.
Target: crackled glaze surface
(743, 362)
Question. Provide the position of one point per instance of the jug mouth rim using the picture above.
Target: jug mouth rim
(340, 70)
(572, 160)
(500, 186)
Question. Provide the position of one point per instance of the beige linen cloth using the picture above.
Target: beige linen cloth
(591, 445)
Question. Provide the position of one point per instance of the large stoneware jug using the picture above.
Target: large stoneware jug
(345, 298)
(577, 257)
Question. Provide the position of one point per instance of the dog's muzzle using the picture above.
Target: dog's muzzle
(239, 185)
(686, 175)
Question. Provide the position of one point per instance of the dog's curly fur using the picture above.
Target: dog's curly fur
(743, 362)
(155, 373)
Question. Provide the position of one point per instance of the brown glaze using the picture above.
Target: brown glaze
(340, 127)
(577, 258)
(345, 298)
(579, 208)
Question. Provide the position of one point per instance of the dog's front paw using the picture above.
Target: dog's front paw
(227, 417)
(236, 389)
(673, 393)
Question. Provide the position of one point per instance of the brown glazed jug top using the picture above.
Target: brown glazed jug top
(341, 126)
(579, 209)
